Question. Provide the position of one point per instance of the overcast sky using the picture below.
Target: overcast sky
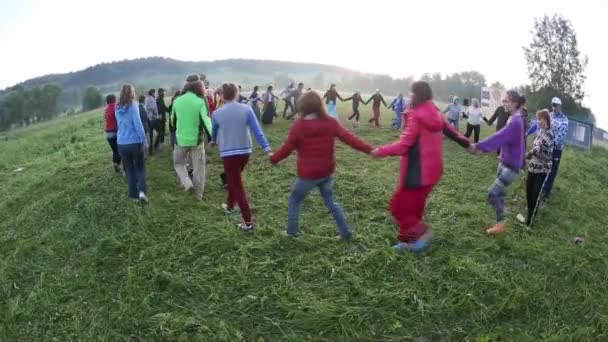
(395, 37)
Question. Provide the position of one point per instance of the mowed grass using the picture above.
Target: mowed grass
(80, 262)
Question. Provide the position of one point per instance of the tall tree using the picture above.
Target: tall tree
(92, 98)
(553, 57)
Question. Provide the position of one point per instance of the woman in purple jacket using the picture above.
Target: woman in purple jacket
(512, 145)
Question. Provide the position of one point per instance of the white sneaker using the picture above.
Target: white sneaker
(521, 218)
(142, 197)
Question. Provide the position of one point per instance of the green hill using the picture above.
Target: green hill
(80, 262)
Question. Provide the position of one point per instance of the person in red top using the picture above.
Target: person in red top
(421, 151)
(112, 130)
(313, 137)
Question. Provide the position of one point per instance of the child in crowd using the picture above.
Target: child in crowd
(231, 126)
(421, 151)
(111, 128)
(313, 136)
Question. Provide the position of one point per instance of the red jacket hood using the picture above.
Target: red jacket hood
(428, 116)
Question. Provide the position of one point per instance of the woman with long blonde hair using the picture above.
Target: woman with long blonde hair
(132, 142)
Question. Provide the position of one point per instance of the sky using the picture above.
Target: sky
(399, 38)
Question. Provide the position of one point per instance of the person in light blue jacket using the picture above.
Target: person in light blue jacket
(132, 143)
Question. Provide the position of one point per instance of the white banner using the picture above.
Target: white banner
(485, 97)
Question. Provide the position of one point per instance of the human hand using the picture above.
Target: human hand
(472, 149)
(212, 144)
(375, 153)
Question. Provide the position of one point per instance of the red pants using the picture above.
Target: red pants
(376, 118)
(233, 167)
(407, 207)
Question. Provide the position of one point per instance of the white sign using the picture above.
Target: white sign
(485, 97)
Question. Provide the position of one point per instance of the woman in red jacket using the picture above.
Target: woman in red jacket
(112, 129)
(421, 151)
(313, 137)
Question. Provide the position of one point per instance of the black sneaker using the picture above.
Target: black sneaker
(247, 228)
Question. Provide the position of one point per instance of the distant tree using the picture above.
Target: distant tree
(553, 57)
(92, 98)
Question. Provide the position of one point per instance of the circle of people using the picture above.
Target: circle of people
(227, 119)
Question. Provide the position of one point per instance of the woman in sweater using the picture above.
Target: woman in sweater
(313, 137)
(231, 126)
(112, 130)
(512, 145)
(421, 151)
(331, 97)
(132, 142)
(540, 162)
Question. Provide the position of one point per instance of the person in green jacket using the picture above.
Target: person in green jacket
(190, 117)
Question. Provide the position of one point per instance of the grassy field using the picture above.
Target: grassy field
(80, 262)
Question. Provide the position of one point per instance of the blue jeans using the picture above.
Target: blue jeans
(455, 123)
(557, 157)
(498, 190)
(397, 122)
(133, 161)
(299, 193)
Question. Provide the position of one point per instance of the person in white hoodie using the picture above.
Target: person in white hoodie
(474, 115)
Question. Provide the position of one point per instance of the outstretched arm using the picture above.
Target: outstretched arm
(451, 133)
(407, 140)
(254, 125)
(288, 147)
(352, 140)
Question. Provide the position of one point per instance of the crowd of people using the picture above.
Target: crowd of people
(225, 118)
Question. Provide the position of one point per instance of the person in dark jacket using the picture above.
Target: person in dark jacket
(163, 110)
(357, 100)
(500, 116)
(421, 151)
(172, 128)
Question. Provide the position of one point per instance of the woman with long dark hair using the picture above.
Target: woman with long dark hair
(270, 107)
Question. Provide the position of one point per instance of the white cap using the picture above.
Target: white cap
(556, 100)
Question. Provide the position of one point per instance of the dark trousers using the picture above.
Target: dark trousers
(533, 187)
(155, 125)
(133, 158)
(114, 146)
(233, 168)
(376, 118)
(471, 129)
(355, 115)
(161, 132)
(557, 158)
(288, 104)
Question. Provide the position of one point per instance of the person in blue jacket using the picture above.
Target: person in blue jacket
(398, 106)
(132, 143)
